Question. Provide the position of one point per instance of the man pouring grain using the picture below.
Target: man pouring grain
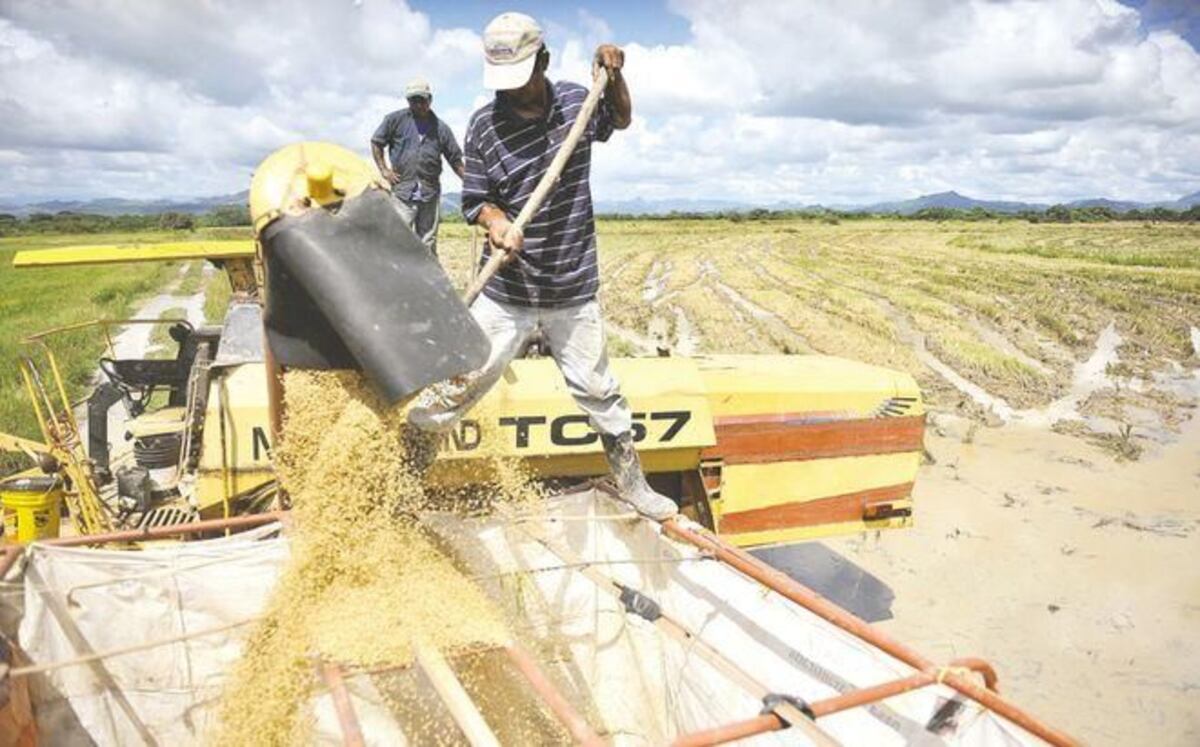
(416, 141)
(550, 280)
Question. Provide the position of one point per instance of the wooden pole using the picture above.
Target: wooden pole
(457, 701)
(548, 182)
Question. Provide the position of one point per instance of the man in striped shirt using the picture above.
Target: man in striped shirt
(550, 279)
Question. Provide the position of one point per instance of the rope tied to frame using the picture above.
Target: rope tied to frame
(941, 673)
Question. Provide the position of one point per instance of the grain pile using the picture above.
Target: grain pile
(364, 581)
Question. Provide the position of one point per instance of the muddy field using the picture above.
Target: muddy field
(1092, 327)
(1058, 518)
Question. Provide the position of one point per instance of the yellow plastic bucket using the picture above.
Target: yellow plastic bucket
(31, 505)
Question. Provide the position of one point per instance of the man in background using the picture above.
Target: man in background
(416, 141)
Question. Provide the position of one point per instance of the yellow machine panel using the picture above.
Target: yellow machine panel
(809, 446)
(810, 384)
(103, 254)
(236, 456)
(530, 415)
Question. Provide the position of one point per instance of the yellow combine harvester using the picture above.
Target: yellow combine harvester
(762, 449)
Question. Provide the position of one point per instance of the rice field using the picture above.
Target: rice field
(1012, 309)
(992, 318)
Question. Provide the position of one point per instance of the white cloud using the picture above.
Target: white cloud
(797, 101)
(208, 89)
(853, 101)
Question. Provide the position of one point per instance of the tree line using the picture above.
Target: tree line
(67, 221)
(239, 216)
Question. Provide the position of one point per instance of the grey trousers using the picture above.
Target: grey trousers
(576, 338)
(423, 218)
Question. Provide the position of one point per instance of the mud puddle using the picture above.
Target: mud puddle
(687, 342)
(1088, 378)
(656, 281)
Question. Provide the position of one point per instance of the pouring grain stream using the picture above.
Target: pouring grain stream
(364, 580)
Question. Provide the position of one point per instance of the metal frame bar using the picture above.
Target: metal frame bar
(352, 735)
(151, 533)
(575, 724)
(768, 722)
(791, 589)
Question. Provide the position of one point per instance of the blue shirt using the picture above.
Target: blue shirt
(505, 157)
(416, 157)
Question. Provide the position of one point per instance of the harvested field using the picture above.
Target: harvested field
(995, 319)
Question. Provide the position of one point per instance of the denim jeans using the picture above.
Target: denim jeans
(575, 335)
(423, 218)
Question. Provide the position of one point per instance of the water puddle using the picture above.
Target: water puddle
(656, 281)
(686, 341)
(1089, 377)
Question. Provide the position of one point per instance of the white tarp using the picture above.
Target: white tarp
(647, 687)
(78, 600)
(633, 682)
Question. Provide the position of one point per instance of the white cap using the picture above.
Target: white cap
(418, 87)
(510, 46)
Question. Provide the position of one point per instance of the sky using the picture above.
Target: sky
(764, 102)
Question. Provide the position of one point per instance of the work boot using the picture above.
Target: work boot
(631, 481)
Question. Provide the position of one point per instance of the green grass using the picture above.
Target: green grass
(192, 280)
(217, 293)
(33, 300)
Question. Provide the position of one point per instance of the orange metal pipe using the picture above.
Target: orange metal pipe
(731, 732)
(838, 703)
(578, 727)
(348, 720)
(856, 698)
(791, 589)
(195, 527)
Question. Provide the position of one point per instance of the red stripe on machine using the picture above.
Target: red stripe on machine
(757, 439)
(867, 504)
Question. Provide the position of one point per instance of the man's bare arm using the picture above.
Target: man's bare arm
(616, 93)
(493, 220)
(381, 163)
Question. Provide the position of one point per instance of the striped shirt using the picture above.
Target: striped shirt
(505, 157)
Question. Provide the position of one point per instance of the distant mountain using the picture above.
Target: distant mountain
(451, 202)
(642, 206)
(1185, 202)
(950, 200)
(1119, 206)
(121, 206)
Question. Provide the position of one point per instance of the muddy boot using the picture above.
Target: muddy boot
(631, 481)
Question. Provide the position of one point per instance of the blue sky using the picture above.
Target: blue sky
(748, 100)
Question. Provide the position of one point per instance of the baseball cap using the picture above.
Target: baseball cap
(417, 87)
(510, 46)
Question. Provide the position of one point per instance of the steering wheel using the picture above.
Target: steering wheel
(135, 397)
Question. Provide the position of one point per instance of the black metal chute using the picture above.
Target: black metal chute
(356, 289)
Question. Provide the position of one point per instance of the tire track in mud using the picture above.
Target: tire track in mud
(1087, 377)
(908, 334)
(777, 329)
